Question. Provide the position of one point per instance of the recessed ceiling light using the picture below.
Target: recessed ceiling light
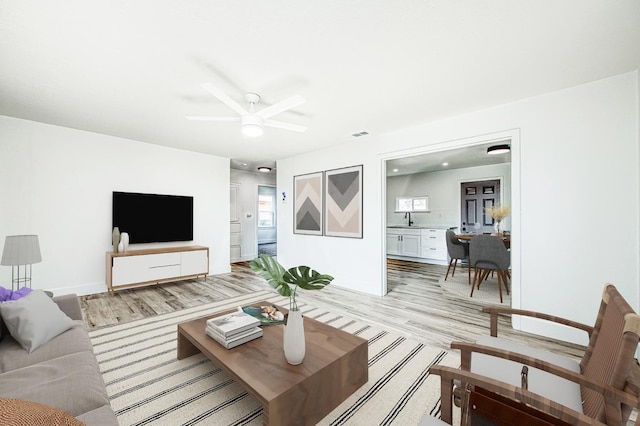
(244, 164)
(445, 164)
(264, 169)
(395, 170)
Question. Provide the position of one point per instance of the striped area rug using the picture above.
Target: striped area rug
(148, 385)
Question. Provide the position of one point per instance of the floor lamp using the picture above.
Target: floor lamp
(21, 251)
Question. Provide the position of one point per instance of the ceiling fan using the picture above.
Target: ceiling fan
(252, 122)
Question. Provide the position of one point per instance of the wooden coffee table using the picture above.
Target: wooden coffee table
(335, 366)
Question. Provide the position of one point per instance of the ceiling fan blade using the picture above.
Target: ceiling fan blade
(281, 106)
(285, 126)
(207, 118)
(224, 98)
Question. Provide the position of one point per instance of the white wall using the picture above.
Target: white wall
(576, 198)
(248, 207)
(354, 263)
(57, 182)
(443, 189)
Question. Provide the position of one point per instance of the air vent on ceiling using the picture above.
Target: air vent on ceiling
(357, 135)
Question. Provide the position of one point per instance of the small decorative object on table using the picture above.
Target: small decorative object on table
(282, 279)
(115, 238)
(124, 239)
(498, 213)
(267, 315)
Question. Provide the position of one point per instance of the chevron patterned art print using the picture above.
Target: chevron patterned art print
(308, 204)
(343, 202)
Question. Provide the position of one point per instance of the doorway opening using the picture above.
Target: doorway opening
(437, 171)
(267, 235)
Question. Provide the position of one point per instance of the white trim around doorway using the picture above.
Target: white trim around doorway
(513, 135)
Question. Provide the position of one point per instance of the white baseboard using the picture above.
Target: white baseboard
(418, 259)
(81, 290)
(245, 258)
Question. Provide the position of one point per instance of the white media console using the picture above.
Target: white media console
(152, 266)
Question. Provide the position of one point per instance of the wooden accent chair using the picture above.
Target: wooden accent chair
(488, 254)
(457, 251)
(602, 388)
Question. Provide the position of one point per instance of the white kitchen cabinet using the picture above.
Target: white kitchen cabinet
(411, 245)
(434, 245)
(427, 245)
(403, 242)
(394, 244)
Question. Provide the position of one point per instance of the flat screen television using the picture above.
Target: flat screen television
(153, 218)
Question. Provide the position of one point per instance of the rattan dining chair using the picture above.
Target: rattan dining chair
(457, 251)
(489, 254)
(602, 388)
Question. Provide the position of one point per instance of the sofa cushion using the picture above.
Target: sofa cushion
(13, 356)
(100, 416)
(14, 412)
(34, 319)
(548, 385)
(6, 294)
(71, 383)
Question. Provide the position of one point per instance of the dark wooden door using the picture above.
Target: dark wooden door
(475, 198)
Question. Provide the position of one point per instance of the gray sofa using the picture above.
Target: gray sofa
(62, 373)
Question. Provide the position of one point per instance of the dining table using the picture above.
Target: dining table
(506, 239)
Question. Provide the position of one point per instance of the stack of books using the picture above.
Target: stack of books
(233, 329)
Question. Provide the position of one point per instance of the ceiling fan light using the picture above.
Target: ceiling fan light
(252, 125)
(252, 130)
(498, 149)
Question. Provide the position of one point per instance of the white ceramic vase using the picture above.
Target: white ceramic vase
(499, 227)
(294, 344)
(124, 239)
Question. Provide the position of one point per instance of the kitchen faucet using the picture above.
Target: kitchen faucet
(408, 214)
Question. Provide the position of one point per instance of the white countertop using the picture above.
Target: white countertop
(418, 226)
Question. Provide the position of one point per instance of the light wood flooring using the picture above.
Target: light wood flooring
(415, 304)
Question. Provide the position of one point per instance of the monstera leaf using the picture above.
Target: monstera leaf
(282, 279)
(306, 278)
(272, 271)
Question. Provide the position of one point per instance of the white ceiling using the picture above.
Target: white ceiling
(458, 158)
(133, 69)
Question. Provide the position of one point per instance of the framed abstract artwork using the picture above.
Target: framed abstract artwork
(343, 202)
(307, 206)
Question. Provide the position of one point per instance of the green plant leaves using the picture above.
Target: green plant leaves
(306, 278)
(272, 271)
(281, 279)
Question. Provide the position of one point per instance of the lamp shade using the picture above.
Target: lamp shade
(21, 250)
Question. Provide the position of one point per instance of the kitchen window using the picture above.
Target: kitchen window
(412, 204)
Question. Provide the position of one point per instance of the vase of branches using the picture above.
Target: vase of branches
(498, 213)
(287, 282)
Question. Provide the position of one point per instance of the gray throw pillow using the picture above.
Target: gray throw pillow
(34, 319)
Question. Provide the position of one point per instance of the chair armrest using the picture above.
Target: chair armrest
(70, 305)
(449, 374)
(494, 311)
(613, 397)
